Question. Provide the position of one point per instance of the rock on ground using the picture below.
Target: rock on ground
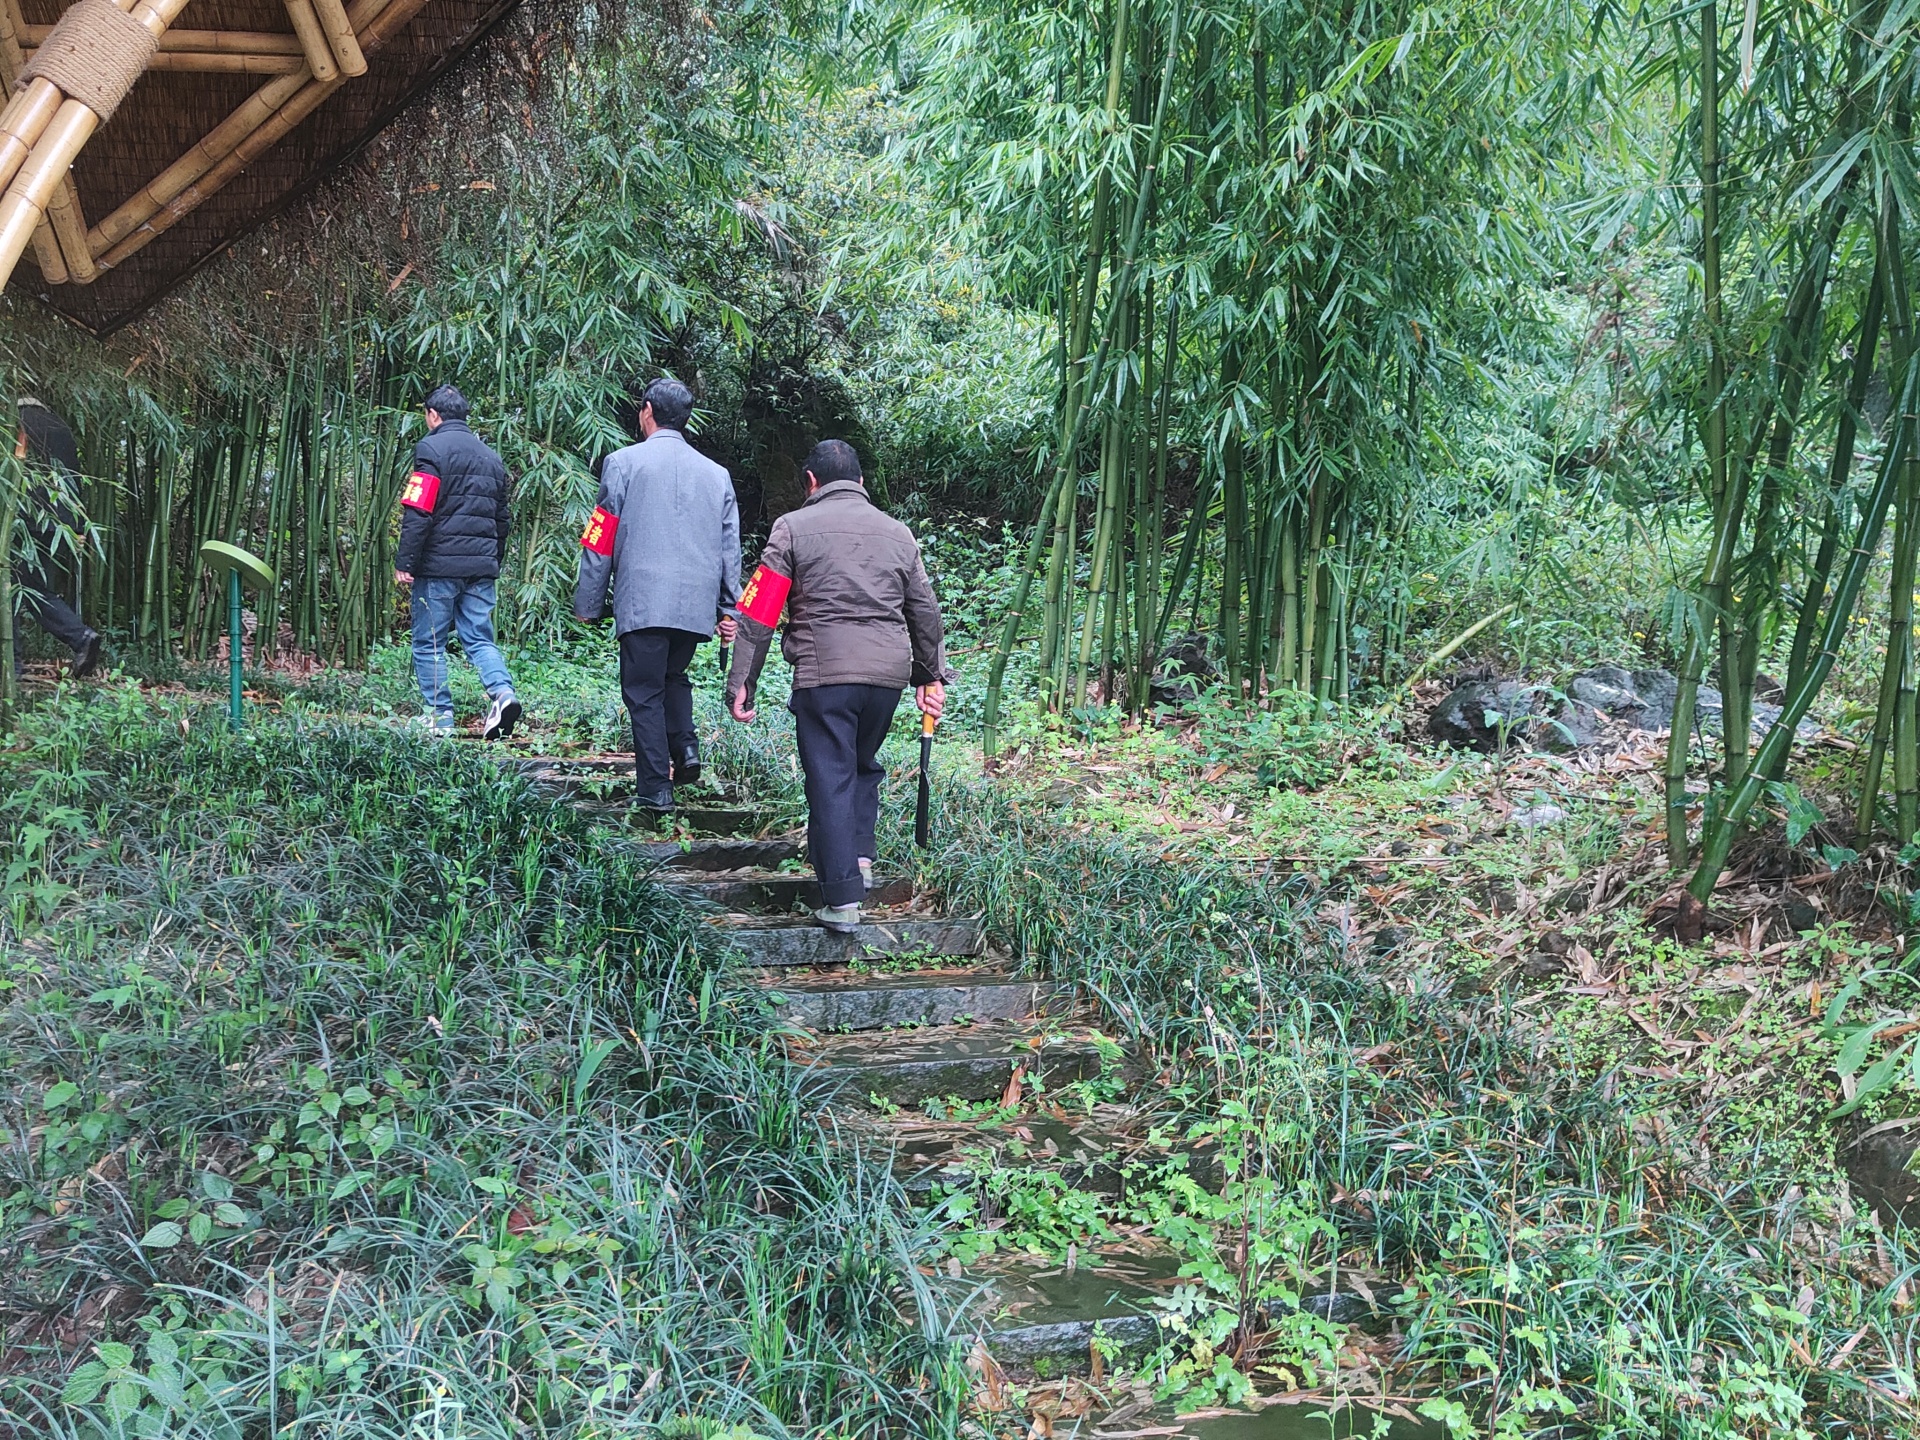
(1596, 702)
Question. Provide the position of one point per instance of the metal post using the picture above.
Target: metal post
(234, 647)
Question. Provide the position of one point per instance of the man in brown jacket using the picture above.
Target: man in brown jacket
(862, 624)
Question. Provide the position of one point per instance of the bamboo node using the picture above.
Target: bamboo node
(94, 54)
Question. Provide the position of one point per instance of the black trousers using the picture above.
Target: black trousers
(41, 603)
(653, 681)
(839, 729)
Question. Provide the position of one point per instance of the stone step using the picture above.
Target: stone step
(690, 818)
(772, 892)
(1102, 1153)
(1042, 1319)
(801, 942)
(974, 1062)
(928, 997)
(1289, 1420)
(709, 855)
(617, 787)
(582, 764)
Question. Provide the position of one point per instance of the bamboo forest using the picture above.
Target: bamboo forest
(1330, 846)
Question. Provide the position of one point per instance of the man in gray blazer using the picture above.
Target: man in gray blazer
(665, 539)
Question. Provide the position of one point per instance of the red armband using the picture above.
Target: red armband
(598, 536)
(422, 490)
(765, 596)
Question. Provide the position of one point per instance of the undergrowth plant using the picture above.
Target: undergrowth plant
(1548, 1259)
(358, 1089)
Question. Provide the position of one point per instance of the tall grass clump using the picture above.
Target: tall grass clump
(356, 1090)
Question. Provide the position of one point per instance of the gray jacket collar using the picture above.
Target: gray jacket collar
(664, 432)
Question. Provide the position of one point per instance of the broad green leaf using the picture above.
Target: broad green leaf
(163, 1236)
(84, 1384)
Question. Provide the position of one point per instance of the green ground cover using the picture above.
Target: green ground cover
(1577, 1210)
(357, 1090)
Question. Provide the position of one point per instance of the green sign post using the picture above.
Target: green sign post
(239, 565)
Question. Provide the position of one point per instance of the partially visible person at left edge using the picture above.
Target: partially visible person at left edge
(46, 445)
(454, 521)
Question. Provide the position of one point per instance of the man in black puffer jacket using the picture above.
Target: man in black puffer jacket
(454, 521)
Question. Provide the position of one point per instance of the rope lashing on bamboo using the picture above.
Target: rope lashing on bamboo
(94, 54)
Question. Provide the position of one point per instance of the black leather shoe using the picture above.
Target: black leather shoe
(86, 658)
(685, 769)
(661, 804)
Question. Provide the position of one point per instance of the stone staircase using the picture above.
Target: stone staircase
(910, 1007)
(916, 1007)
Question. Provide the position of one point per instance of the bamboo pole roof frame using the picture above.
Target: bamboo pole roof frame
(227, 121)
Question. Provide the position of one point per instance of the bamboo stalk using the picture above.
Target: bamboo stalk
(1726, 507)
(1233, 519)
(46, 254)
(213, 62)
(218, 62)
(23, 122)
(69, 229)
(213, 42)
(1838, 470)
(313, 41)
(11, 499)
(346, 46)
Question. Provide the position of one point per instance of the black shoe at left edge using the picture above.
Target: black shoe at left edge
(685, 769)
(86, 658)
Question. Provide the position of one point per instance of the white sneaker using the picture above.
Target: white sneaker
(433, 725)
(841, 919)
(504, 715)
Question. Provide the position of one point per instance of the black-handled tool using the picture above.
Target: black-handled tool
(923, 803)
(724, 666)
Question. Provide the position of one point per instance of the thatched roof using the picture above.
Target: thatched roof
(230, 93)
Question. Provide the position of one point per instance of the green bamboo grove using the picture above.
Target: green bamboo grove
(1230, 212)
(1806, 205)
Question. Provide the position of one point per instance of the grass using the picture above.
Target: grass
(357, 1090)
(1579, 1217)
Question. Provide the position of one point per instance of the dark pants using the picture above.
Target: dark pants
(653, 678)
(40, 603)
(839, 729)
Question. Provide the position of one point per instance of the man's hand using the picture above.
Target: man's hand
(728, 627)
(738, 707)
(931, 699)
(401, 577)
(585, 619)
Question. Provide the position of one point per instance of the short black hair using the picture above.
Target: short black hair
(451, 404)
(833, 460)
(672, 403)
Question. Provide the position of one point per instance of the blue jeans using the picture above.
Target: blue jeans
(442, 608)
